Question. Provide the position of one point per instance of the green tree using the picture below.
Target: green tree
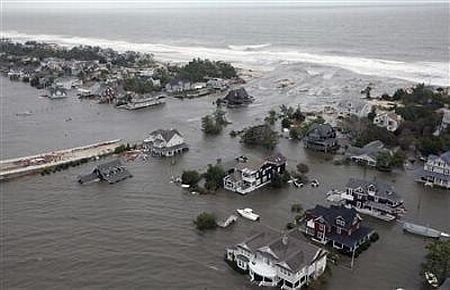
(205, 221)
(190, 177)
(271, 117)
(260, 135)
(214, 177)
(437, 260)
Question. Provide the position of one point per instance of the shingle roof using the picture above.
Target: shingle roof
(290, 251)
(112, 171)
(238, 96)
(371, 149)
(166, 134)
(381, 189)
(330, 214)
(320, 130)
(351, 240)
(446, 157)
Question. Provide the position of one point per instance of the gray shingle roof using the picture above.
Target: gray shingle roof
(166, 134)
(381, 189)
(371, 149)
(330, 214)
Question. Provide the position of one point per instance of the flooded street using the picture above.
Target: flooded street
(139, 233)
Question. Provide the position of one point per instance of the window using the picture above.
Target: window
(338, 230)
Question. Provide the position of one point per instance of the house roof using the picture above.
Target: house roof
(381, 189)
(371, 149)
(166, 134)
(353, 239)
(239, 95)
(289, 251)
(276, 158)
(330, 214)
(112, 171)
(320, 130)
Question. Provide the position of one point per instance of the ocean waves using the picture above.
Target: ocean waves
(263, 56)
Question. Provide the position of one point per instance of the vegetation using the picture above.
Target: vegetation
(302, 168)
(300, 131)
(297, 208)
(271, 117)
(280, 180)
(123, 148)
(437, 260)
(260, 135)
(205, 221)
(213, 124)
(198, 70)
(214, 177)
(190, 177)
(139, 86)
(386, 161)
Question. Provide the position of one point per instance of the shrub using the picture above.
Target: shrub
(205, 221)
(190, 177)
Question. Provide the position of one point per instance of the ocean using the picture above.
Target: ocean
(138, 234)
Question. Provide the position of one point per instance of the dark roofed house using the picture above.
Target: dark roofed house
(274, 259)
(57, 93)
(236, 98)
(321, 137)
(374, 198)
(111, 172)
(337, 225)
(249, 174)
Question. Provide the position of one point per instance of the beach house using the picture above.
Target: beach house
(321, 137)
(278, 260)
(165, 143)
(249, 174)
(338, 226)
(388, 120)
(436, 171)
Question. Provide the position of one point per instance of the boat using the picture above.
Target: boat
(185, 185)
(248, 214)
(230, 220)
(431, 279)
(423, 231)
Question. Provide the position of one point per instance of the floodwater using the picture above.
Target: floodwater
(57, 234)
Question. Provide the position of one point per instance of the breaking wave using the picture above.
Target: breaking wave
(263, 56)
(248, 47)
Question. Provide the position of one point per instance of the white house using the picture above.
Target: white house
(273, 259)
(436, 171)
(388, 120)
(249, 174)
(165, 143)
(358, 108)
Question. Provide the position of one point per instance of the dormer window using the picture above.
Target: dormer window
(340, 222)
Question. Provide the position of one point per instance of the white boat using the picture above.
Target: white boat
(25, 113)
(185, 185)
(248, 214)
(376, 214)
(423, 231)
(432, 279)
(314, 183)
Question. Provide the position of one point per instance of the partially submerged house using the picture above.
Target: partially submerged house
(321, 137)
(366, 155)
(278, 260)
(373, 198)
(165, 143)
(388, 120)
(249, 174)
(337, 225)
(436, 171)
(111, 172)
(236, 98)
(358, 108)
(57, 93)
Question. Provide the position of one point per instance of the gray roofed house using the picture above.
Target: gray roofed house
(367, 155)
(373, 188)
(275, 259)
(165, 143)
(236, 98)
(436, 171)
(111, 172)
(321, 137)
